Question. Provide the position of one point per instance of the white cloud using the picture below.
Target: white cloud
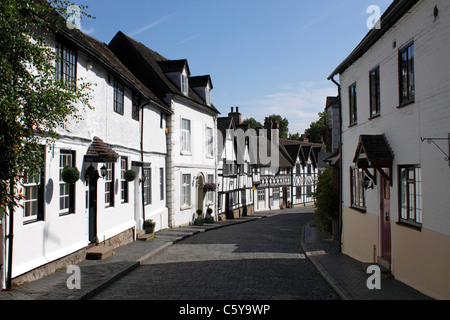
(151, 25)
(300, 103)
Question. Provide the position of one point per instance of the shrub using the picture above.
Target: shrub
(70, 175)
(327, 201)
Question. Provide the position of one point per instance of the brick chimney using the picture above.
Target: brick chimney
(237, 117)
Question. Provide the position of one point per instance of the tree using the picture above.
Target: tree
(317, 129)
(34, 105)
(252, 123)
(283, 123)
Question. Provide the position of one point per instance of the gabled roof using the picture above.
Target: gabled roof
(200, 81)
(373, 151)
(168, 66)
(151, 68)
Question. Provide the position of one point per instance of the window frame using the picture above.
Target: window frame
(62, 64)
(70, 209)
(184, 84)
(186, 137)
(123, 183)
(410, 91)
(357, 190)
(209, 142)
(375, 92)
(119, 97)
(147, 188)
(186, 197)
(415, 185)
(161, 183)
(353, 104)
(109, 185)
(135, 107)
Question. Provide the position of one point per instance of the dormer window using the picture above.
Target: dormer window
(184, 84)
(208, 96)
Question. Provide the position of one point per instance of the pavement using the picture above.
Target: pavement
(345, 275)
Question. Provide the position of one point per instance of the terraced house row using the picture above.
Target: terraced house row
(394, 93)
(149, 149)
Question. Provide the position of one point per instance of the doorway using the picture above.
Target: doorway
(93, 177)
(385, 196)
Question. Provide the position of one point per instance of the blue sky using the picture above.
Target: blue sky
(264, 56)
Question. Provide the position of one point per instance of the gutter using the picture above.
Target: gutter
(341, 169)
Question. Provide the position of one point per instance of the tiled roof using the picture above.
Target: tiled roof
(99, 151)
(150, 67)
(373, 151)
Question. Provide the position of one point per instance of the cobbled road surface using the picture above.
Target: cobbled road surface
(258, 260)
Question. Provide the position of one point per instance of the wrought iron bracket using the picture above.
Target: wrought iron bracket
(433, 141)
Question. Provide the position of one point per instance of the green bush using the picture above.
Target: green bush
(70, 175)
(327, 201)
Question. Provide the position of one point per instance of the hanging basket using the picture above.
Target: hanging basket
(70, 175)
(129, 175)
(210, 186)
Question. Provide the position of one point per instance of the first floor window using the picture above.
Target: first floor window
(148, 186)
(406, 65)
(33, 201)
(261, 195)
(353, 104)
(118, 96)
(66, 65)
(185, 135)
(375, 103)
(276, 193)
(66, 191)
(109, 185)
(358, 198)
(209, 142)
(410, 194)
(123, 182)
(186, 190)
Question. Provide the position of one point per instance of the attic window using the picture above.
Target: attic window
(184, 83)
(208, 96)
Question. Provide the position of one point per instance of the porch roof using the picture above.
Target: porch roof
(99, 151)
(373, 151)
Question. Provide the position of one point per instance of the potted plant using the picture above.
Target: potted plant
(70, 175)
(199, 220)
(129, 175)
(149, 226)
(209, 218)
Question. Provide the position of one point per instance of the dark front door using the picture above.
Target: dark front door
(93, 209)
(385, 218)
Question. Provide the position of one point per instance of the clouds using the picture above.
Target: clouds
(300, 103)
(151, 25)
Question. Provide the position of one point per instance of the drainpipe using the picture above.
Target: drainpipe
(10, 238)
(340, 163)
(142, 161)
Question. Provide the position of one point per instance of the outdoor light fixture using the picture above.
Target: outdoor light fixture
(103, 171)
(367, 184)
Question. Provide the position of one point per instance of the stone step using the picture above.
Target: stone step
(99, 252)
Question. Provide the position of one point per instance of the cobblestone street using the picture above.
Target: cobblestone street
(260, 260)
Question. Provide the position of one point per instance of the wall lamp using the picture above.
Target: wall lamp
(368, 183)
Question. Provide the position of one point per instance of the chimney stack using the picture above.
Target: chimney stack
(237, 117)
